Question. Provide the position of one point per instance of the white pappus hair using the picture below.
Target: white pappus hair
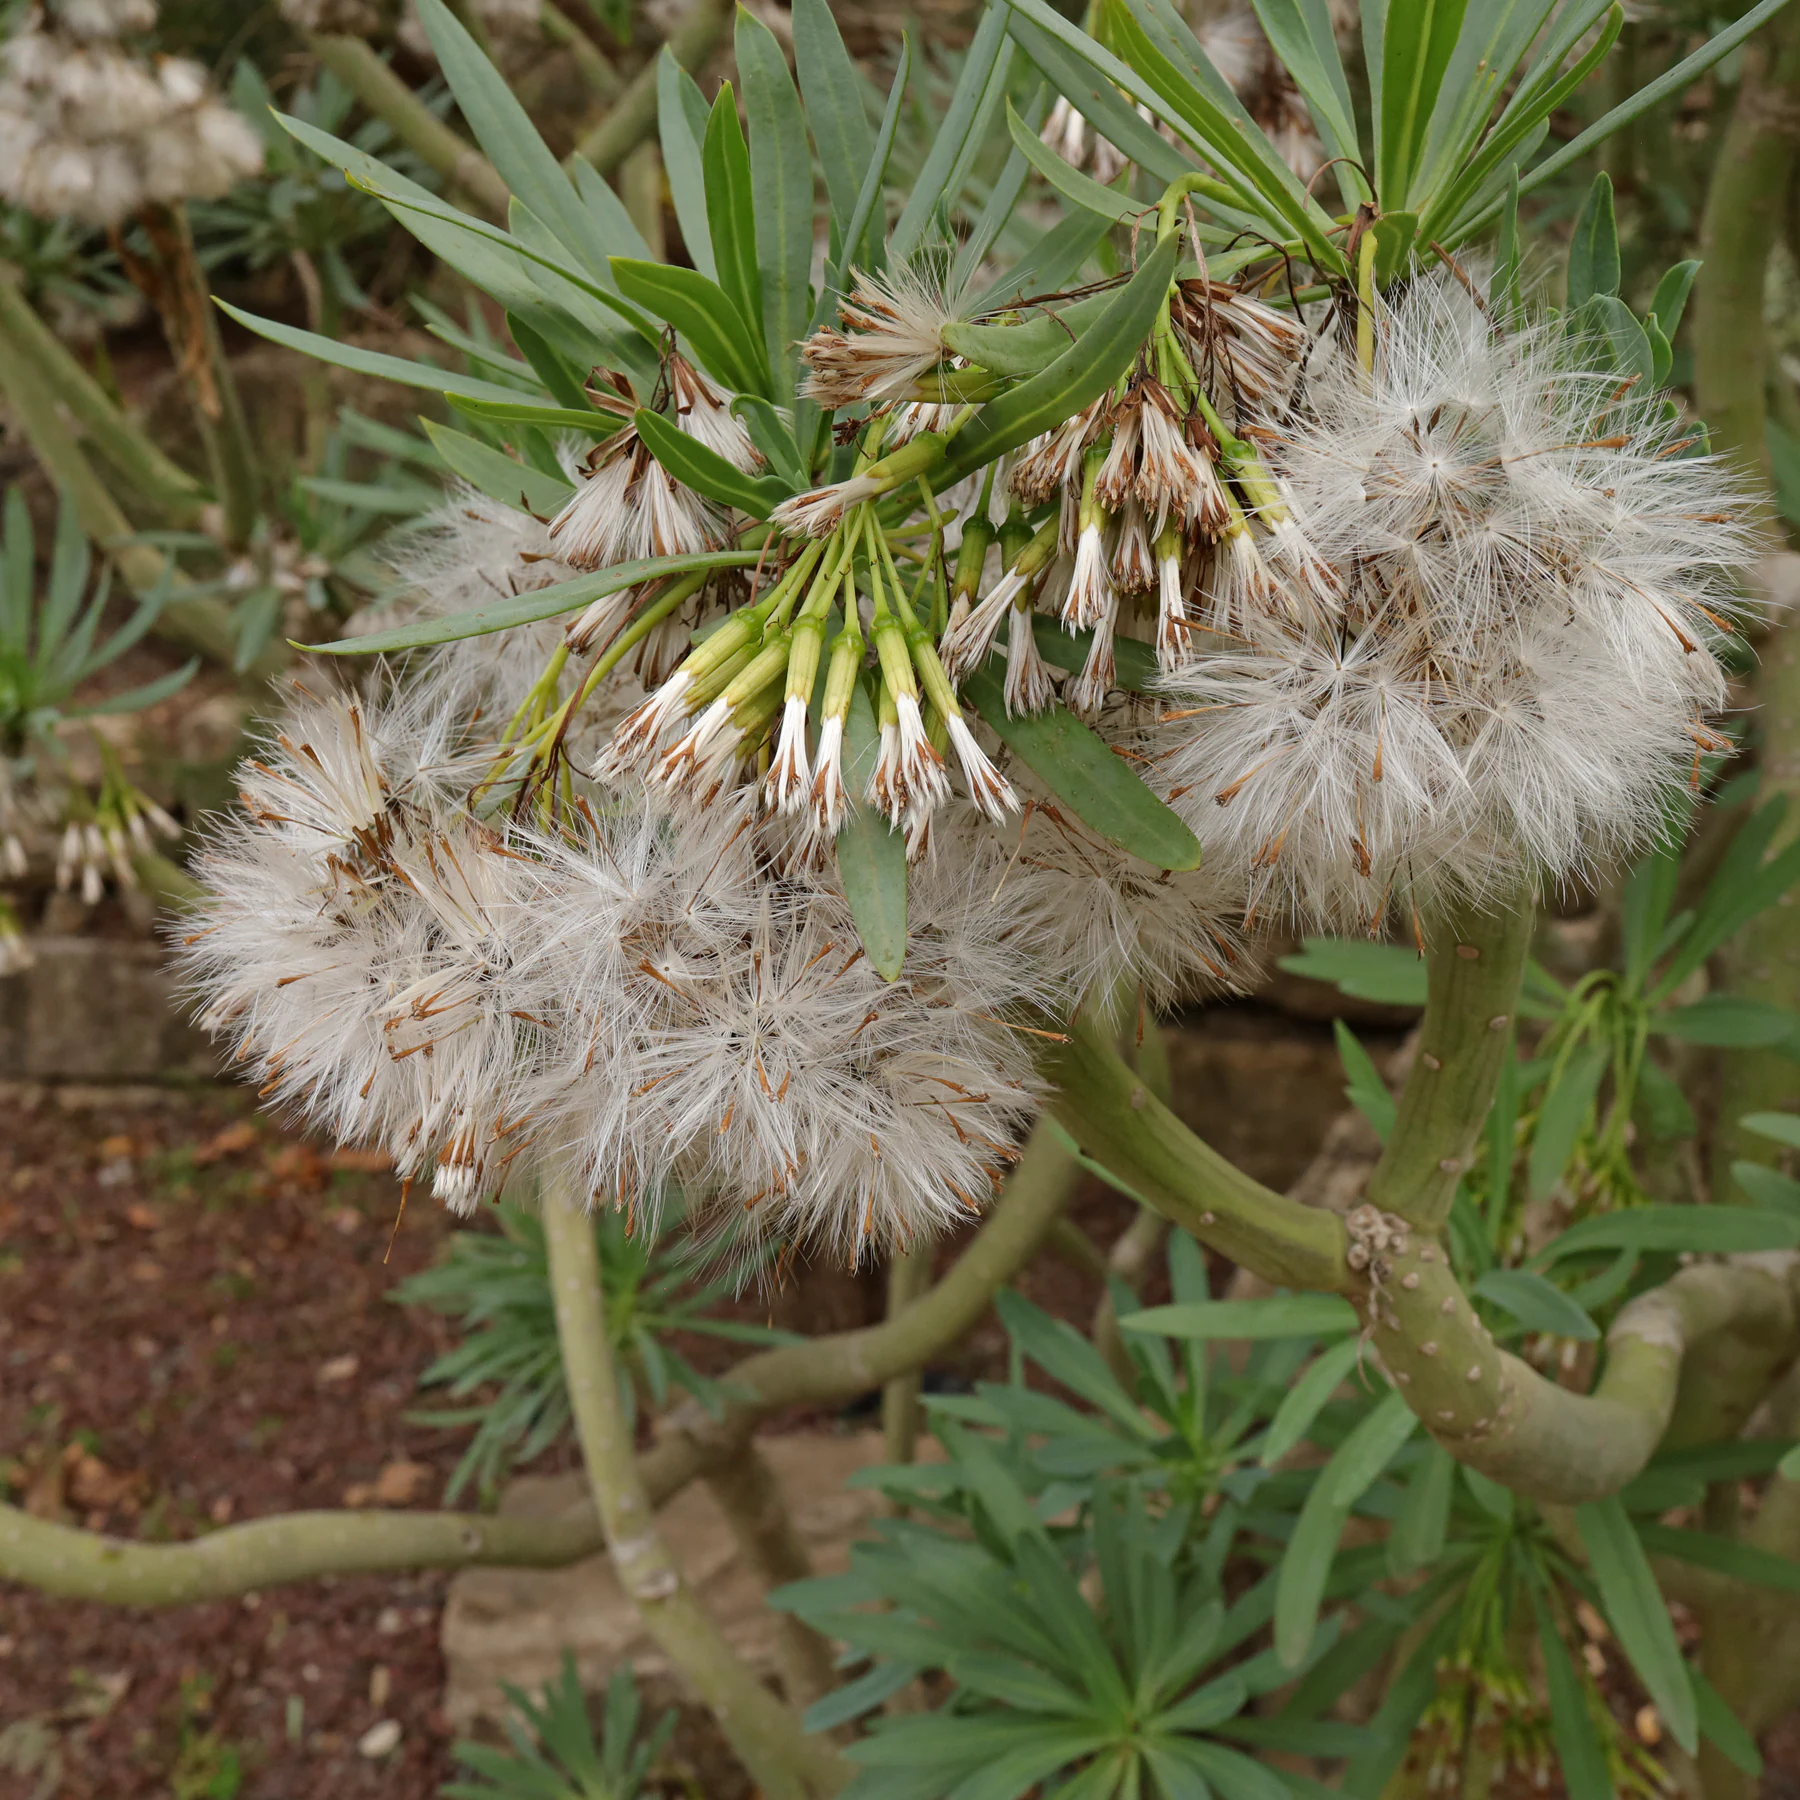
(1536, 577)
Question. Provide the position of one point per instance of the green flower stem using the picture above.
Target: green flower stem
(1476, 961)
(632, 117)
(766, 1735)
(200, 621)
(357, 65)
(110, 431)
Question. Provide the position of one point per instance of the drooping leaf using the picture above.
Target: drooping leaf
(1727, 1021)
(1103, 790)
(1536, 1304)
(871, 856)
(1306, 1399)
(1637, 1614)
(705, 470)
(496, 474)
(1578, 1746)
(1078, 189)
(781, 186)
(1416, 1538)
(1704, 1230)
(1362, 970)
(526, 609)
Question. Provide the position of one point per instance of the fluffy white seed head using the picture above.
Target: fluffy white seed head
(1518, 579)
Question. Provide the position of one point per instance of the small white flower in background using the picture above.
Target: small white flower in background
(89, 131)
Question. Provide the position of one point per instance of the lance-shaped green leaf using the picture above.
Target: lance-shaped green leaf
(370, 362)
(1135, 665)
(504, 130)
(1578, 1746)
(1536, 1304)
(1727, 1021)
(1421, 1526)
(1078, 189)
(1637, 1614)
(834, 104)
(1280, 1316)
(932, 186)
(1417, 42)
(528, 609)
(1302, 35)
(717, 333)
(1705, 1230)
(1306, 1565)
(871, 855)
(1307, 1398)
(781, 186)
(1594, 247)
(868, 209)
(681, 116)
(546, 418)
(1561, 1117)
(1098, 101)
(705, 470)
(496, 474)
(730, 209)
(1084, 371)
(1102, 790)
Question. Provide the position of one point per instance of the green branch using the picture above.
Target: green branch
(264, 1553)
(632, 117)
(767, 1737)
(1475, 963)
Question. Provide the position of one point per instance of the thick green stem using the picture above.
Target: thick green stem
(590, 59)
(112, 432)
(1738, 228)
(766, 1735)
(1475, 962)
(202, 623)
(633, 115)
(747, 1491)
(1488, 1408)
(1116, 1119)
(264, 1553)
(357, 65)
(909, 1275)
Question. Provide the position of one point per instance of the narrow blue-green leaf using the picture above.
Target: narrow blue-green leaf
(1671, 297)
(527, 609)
(1078, 189)
(720, 337)
(1724, 1556)
(1306, 1564)
(1098, 101)
(871, 856)
(1389, 973)
(1724, 1727)
(1653, 93)
(1561, 1116)
(1635, 1610)
(1705, 1230)
(496, 474)
(504, 130)
(1421, 1526)
(929, 187)
(1536, 1304)
(868, 209)
(705, 470)
(1280, 1316)
(1782, 1128)
(1418, 41)
(1306, 1399)
(1102, 789)
(1578, 1746)
(730, 208)
(1364, 1088)
(1727, 1021)
(1594, 247)
(370, 362)
(1768, 1187)
(137, 698)
(1002, 202)
(781, 187)
(684, 157)
(1302, 35)
(546, 418)
(833, 91)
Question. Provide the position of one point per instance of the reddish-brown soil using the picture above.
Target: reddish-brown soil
(196, 1327)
